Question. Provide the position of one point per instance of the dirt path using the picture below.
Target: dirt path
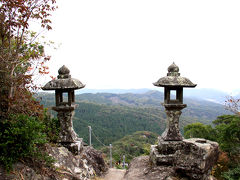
(114, 174)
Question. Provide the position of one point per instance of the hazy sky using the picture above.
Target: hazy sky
(130, 43)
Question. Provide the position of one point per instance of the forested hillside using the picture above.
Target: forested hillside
(110, 123)
(112, 116)
(195, 107)
(132, 145)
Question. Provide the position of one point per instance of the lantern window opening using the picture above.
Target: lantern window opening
(173, 94)
(65, 97)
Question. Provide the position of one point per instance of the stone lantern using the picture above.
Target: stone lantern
(173, 85)
(191, 158)
(64, 86)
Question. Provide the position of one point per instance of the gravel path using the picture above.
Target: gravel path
(115, 174)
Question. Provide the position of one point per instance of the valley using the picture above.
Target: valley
(113, 116)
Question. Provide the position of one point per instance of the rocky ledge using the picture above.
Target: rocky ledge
(87, 164)
(174, 160)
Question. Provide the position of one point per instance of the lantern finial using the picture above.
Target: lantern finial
(64, 73)
(173, 70)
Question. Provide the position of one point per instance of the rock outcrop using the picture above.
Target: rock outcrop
(87, 164)
(189, 159)
(140, 168)
(193, 158)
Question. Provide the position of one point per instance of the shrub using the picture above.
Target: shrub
(221, 166)
(232, 174)
(19, 137)
(52, 127)
(199, 130)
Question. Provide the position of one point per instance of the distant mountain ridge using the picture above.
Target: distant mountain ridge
(113, 91)
(113, 116)
(197, 108)
(212, 95)
(207, 94)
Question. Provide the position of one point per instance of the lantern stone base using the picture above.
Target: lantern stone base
(74, 147)
(67, 136)
(193, 158)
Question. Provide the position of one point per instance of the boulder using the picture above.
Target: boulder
(67, 166)
(193, 158)
(95, 159)
(140, 168)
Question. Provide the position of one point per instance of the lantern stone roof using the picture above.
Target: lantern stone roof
(173, 79)
(63, 81)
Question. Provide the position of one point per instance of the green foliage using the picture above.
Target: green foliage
(115, 116)
(132, 146)
(19, 138)
(22, 53)
(232, 174)
(22, 133)
(199, 111)
(227, 133)
(199, 130)
(118, 166)
(147, 149)
(52, 127)
(110, 123)
(112, 116)
(221, 166)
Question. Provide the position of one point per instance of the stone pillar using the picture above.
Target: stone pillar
(67, 135)
(172, 132)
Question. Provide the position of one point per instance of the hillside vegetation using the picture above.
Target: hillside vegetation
(196, 108)
(112, 116)
(132, 146)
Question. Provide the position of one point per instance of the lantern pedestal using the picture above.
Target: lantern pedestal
(65, 115)
(67, 135)
(172, 132)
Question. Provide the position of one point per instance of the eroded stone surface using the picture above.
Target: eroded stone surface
(64, 81)
(172, 132)
(193, 158)
(94, 158)
(174, 79)
(66, 134)
(83, 166)
(67, 166)
(140, 168)
(65, 109)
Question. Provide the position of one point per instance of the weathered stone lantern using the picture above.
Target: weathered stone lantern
(191, 158)
(173, 85)
(64, 86)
